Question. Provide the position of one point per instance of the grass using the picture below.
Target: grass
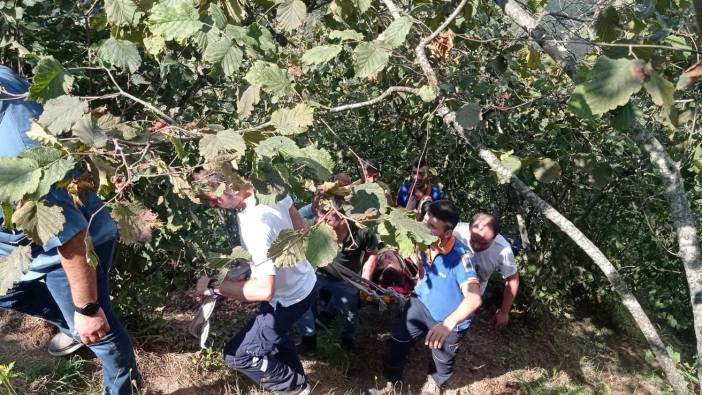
(67, 376)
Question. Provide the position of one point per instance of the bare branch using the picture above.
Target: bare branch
(420, 50)
(393, 8)
(388, 92)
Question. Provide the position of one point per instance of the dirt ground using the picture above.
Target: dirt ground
(576, 357)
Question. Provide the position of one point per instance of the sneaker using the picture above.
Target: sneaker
(62, 345)
(430, 387)
(388, 389)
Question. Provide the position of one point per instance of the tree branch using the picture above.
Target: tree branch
(388, 92)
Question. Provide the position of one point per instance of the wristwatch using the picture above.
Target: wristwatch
(89, 309)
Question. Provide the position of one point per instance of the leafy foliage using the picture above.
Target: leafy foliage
(612, 82)
(288, 249)
(39, 221)
(321, 245)
(50, 80)
(13, 267)
(136, 222)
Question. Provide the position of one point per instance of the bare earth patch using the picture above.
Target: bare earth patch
(522, 359)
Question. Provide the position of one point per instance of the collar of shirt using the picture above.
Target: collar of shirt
(250, 203)
(434, 249)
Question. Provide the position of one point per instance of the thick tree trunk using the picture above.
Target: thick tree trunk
(683, 220)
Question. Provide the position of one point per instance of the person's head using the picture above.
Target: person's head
(215, 191)
(328, 209)
(483, 230)
(343, 179)
(371, 170)
(441, 218)
(420, 173)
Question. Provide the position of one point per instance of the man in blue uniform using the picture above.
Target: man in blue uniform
(441, 308)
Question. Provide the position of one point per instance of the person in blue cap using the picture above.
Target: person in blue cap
(60, 285)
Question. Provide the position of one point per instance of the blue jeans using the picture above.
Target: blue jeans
(344, 302)
(50, 299)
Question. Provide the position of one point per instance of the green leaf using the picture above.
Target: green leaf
(660, 89)
(607, 25)
(469, 115)
(7, 210)
(290, 14)
(39, 221)
(344, 35)
(405, 244)
(275, 145)
(293, 120)
(175, 20)
(136, 222)
(240, 34)
(122, 12)
(218, 15)
(321, 245)
(61, 113)
(288, 249)
(577, 104)
(154, 45)
(316, 159)
(271, 78)
(247, 101)
(321, 54)
(623, 117)
(367, 196)
(120, 53)
(547, 170)
(511, 162)
(263, 37)
(13, 266)
(54, 167)
(226, 52)
(369, 58)
(612, 82)
(427, 93)
(417, 230)
(18, 177)
(50, 80)
(224, 141)
(395, 34)
(89, 134)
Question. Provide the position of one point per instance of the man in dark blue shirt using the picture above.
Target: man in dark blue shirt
(418, 189)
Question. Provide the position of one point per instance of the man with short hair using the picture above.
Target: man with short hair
(359, 253)
(444, 300)
(419, 189)
(61, 286)
(491, 252)
(370, 172)
(263, 350)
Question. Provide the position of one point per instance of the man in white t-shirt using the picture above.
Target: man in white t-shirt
(492, 252)
(263, 349)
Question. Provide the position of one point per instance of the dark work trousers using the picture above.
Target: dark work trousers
(414, 322)
(265, 353)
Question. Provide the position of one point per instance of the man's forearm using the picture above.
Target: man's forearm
(81, 276)
(471, 301)
(298, 221)
(510, 292)
(253, 290)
